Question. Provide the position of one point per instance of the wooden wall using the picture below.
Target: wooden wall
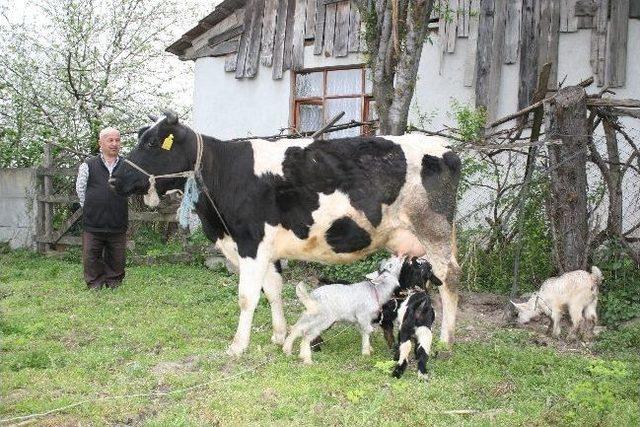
(273, 33)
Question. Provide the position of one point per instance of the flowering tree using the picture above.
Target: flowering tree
(72, 67)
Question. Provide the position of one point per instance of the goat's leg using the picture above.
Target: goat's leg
(575, 312)
(423, 349)
(312, 331)
(366, 342)
(556, 318)
(404, 339)
(387, 329)
(296, 331)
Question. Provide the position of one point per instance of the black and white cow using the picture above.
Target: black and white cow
(330, 201)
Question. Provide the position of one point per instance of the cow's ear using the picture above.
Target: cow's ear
(172, 117)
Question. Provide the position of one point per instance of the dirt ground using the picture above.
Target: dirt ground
(480, 315)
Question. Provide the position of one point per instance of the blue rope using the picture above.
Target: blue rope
(189, 200)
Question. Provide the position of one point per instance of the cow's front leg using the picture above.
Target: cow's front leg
(252, 275)
(273, 291)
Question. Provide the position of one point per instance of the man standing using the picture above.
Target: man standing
(105, 215)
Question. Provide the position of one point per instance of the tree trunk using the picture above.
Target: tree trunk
(395, 34)
(567, 204)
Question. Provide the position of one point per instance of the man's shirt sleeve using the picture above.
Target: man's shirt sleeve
(81, 182)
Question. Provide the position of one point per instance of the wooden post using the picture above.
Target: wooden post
(566, 119)
(46, 218)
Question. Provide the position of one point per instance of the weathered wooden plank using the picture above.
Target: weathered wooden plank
(57, 198)
(599, 41)
(634, 9)
(451, 25)
(463, 18)
(568, 19)
(553, 44)
(318, 41)
(66, 225)
(297, 41)
(529, 47)
(253, 53)
(245, 40)
(329, 28)
(231, 33)
(288, 37)
(512, 31)
(230, 62)
(269, 19)
(489, 60)
(617, 47)
(544, 26)
(354, 29)
(278, 43)
(310, 23)
(341, 39)
(472, 45)
(585, 22)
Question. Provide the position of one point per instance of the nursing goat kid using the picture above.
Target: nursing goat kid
(359, 303)
(576, 290)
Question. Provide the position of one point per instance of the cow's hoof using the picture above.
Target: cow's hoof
(278, 338)
(235, 350)
(307, 362)
(423, 377)
(367, 352)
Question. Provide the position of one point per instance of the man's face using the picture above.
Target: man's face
(110, 144)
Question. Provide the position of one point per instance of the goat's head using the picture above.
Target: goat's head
(527, 311)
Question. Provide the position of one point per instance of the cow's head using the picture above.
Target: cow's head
(165, 147)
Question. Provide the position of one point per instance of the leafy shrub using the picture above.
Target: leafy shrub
(355, 271)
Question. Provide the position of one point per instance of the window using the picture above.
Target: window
(321, 94)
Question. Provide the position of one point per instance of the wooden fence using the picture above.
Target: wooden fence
(58, 208)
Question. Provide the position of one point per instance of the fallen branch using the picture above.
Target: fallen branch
(610, 102)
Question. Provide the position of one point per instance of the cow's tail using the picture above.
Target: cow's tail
(309, 303)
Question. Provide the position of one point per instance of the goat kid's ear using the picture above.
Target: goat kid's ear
(515, 305)
(152, 117)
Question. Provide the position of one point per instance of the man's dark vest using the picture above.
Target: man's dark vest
(104, 210)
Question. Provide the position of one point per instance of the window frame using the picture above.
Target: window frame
(365, 99)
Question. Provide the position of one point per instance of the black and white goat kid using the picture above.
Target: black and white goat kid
(414, 275)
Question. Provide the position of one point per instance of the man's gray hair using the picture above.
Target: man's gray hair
(107, 131)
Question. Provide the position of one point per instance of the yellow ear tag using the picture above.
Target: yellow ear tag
(168, 142)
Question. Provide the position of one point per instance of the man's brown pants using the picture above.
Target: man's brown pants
(103, 258)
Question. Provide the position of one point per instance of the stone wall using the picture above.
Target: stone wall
(17, 210)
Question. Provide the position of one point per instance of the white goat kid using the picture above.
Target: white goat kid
(576, 290)
(358, 303)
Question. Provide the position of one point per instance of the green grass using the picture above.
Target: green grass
(166, 330)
